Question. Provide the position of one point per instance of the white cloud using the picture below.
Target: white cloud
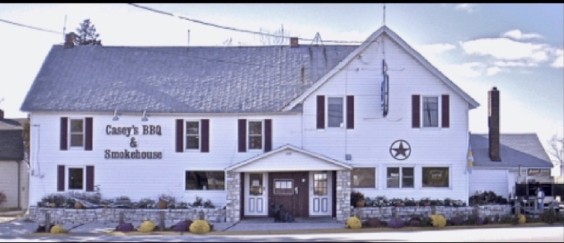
(518, 35)
(506, 49)
(462, 71)
(435, 49)
(559, 61)
(501, 63)
(492, 71)
(469, 8)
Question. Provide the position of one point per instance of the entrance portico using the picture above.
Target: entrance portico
(304, 183)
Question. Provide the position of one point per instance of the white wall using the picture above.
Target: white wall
(490, 180)
(373, 134)
(9, 184)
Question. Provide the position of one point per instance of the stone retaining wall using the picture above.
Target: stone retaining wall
(109, 215)
(385, 213)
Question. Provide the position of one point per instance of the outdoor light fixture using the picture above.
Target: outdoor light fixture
(144, 117)
(116, 117)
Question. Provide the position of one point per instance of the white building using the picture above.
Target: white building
(249, 127)
(14, 173)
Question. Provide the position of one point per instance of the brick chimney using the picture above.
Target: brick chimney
(493, 124)
(294, 42)
(70, 39)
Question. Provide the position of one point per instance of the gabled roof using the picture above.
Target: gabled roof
(288, 147)
(516, 150)
(11, 145)
(12, 124)
(384, 30)
(178, 79)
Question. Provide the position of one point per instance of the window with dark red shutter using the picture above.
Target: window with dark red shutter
(445, 111)
(205, 135)
(350, 112)
(63, 133)
(60, 178)
(242, 134)
(88, 134)
(89, 178)
(267, 135)
(179, 135)
(415, 110)
(320, 112)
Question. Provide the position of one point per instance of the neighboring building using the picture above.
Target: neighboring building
(501, 160)
(249, 127)
(14, 179)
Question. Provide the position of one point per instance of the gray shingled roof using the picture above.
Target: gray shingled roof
(178, 79)
(11, 145)
(515, 150)
(12, 124)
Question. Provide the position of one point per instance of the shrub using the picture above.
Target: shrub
(550, 217)
(396, 223)
(199, 226)
(356, 196)
(123, 201)
(208, 204)
(182, 226)
(2, 197)
(182, 205)
(145, 203)
(353, 222)
(57, 229)
(147, 226)
(456, 220)
(197, 202)
(373, 223)
(125, 227)
(438, 220)
(521, 219)
(54, 200)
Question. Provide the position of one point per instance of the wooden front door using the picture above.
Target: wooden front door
(290, 189)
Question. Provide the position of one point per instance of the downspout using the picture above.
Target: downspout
(19, 183)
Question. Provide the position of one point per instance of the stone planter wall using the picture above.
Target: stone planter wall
(404, 212)
(111, 215)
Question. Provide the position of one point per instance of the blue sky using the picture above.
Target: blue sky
(516, 47)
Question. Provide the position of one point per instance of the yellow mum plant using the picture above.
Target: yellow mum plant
(353, 223)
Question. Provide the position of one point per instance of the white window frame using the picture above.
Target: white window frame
(199, 136)
(68, 177)
(400, 186)
(343, 115)
(249, 134)
(70, 133)
(437, 166)
(439, 111)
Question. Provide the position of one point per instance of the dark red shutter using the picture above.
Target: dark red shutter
(88, 135)
(89, 178)
(179, 135)
(445, 111)
(64, 130)
(350, 112)
(415, 122)
(267, 135)
(321, 112)
(205, 135)
(242, 135)
(60, 178)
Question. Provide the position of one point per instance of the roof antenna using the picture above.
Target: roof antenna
(384, 16)
(64, 28)
(188, 36)
(317, 39)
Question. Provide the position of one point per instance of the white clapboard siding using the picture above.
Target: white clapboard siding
(489, 180)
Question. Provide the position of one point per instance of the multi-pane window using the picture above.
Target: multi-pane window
(283, 187)
(205, 180)
(255, 134)
(76, 132)
(363, 178)
(335, 112)
(320, 184)
(76, 179)
(400, 177)
(431, 111)
(192, 135)
(435, 177)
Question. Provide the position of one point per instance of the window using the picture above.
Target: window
(320, 184)
(335, 112)
(400, 177)
(76, 132)
(192, 135)
(435, 177)
(76, 179)
(205, 180)
(363, 178)
(431, 111)
(255, 134)
(283, 187)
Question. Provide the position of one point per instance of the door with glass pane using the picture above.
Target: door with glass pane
(256, 194)
(320, 193)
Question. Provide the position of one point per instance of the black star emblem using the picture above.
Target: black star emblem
(400, 152)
